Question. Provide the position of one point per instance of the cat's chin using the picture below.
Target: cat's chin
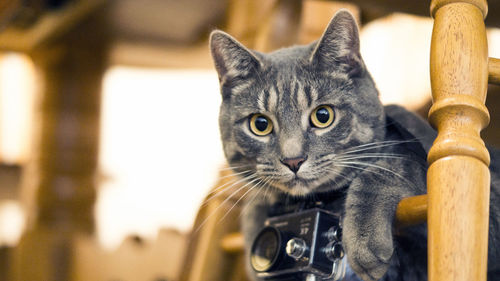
(303, 188)
(295, 188)
(299, 191)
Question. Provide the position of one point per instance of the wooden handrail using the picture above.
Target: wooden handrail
(410, 211)
(494, 71)
(232, 242)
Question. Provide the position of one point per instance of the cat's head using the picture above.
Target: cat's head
(291, 119)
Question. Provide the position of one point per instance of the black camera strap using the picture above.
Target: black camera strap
(330, 201)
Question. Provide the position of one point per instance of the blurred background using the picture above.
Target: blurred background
(109, 141)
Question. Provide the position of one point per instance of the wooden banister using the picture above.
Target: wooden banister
(410, 211)
(458, 179)
(494, 71)
(232, 242)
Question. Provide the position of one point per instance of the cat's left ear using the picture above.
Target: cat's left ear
(338, 48)
(231, 58)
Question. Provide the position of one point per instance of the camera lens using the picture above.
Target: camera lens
(265, 249)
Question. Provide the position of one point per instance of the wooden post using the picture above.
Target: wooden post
(458, 176)
(60, 182)
(219, 215)
(280, 28)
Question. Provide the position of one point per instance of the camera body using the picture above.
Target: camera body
(303, 245)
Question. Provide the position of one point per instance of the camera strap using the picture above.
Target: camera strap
(330, 201)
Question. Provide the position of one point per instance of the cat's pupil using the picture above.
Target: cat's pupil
(261, 123)
(322, 115)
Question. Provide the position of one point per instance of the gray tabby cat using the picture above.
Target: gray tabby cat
(307, 121)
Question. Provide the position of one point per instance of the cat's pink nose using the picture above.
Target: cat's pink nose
(293, 163)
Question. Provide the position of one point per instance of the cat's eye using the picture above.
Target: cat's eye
(260, 125)
(322, 116)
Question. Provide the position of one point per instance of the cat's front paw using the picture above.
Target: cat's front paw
(368, 255)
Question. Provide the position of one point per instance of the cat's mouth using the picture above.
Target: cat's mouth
(298, 180)
(304, 185)
(301, 183)
(297, 186)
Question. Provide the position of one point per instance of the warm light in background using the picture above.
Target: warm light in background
(160, 149)
(17, 90)
(17, 93)
(11, 222)
(396, 51)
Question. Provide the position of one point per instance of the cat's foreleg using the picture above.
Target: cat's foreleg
(370, 208)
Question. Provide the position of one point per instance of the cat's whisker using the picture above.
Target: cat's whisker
(249, 203)
(224, 202)
(363, 147)
(378, 167)
(223, 188)
(332, 158)
(374, 145)
(320, 167)
(235, 174)
(337, 173)
(232, 182)
(268, 187)
(358, 168)
(234, 167)
(355, 157)
(384, 142)
(375, 154)
(241, 198)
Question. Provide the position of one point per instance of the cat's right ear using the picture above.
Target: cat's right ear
(338, 48)
(231, 58)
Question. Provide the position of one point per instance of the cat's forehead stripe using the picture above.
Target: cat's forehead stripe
(266, 99)
(313, 93)
(272, 101)
(279, 90)
(307, 94)
(295, 90)
(262, 100)
(302, 98)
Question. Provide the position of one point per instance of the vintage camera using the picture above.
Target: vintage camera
(304, 245)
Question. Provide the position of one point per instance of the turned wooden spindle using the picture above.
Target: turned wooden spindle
(458, 178)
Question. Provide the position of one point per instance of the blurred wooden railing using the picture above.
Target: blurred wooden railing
(69, 48)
